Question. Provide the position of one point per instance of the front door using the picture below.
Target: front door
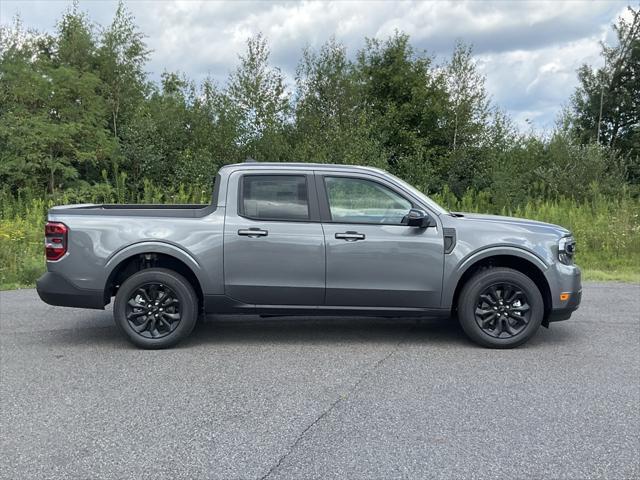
(373, 258)
(273, 240)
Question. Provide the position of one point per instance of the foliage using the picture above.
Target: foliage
(606, 106)
(52, 115)
(332, 120)
(408, 99)
(78, 103)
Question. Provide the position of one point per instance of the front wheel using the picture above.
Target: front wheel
(500, 308)
(156, 308)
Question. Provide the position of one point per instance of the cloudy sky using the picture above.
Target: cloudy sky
(529, 51)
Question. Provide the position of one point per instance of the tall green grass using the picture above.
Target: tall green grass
(22, 219)
(607, 229)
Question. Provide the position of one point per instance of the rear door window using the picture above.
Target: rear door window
(275, 197)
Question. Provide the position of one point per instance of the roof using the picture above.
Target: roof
(303, 166)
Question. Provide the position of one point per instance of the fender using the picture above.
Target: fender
(156, 246)
(453, 277)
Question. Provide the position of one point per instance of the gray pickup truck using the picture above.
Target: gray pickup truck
(308, 239)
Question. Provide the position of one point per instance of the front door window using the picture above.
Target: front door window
(356, 200)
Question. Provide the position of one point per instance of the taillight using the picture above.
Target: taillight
(55, 240)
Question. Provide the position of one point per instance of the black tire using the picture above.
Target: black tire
(164, 327)
(500, 308)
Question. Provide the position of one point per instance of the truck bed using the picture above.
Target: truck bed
(185, 210)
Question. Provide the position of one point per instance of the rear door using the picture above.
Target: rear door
(373, 258)
(273, 241)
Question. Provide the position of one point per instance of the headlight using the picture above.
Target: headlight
(566, 249)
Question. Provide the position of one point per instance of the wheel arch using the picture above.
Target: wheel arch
(529, 265)
(152, 255)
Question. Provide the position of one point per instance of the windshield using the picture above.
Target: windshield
(439, 210)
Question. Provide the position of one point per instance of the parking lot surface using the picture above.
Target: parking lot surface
(250, 398)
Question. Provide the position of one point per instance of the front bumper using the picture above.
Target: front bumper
(55, 289)
(569, 282)
(564, 313)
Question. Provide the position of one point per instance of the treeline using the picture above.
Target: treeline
(78, 112)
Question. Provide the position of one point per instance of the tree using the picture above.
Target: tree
(606, 105)
(332, 122)
(52, 123)
(75, 42)
(468, 97)
(182, 132)
(257, 94)
(467, 162)
(121, 58)
(408, 100)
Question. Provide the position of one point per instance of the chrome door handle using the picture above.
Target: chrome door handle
(253, 232)
(350, 236)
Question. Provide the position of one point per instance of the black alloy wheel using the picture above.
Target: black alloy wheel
(500, 307)
(153, 310)
(503, 310)
(156, 308)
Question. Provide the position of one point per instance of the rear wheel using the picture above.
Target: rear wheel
(156, 308)
(500, 308)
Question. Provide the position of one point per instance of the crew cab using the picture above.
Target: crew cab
(309, 239)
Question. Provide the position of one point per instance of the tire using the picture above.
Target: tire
(156, 322)
(494, 316)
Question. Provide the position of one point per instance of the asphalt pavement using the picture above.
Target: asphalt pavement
(248, 398)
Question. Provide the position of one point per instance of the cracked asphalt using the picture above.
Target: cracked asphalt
(247, 398)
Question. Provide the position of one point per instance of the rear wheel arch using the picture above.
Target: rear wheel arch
(146, 260)
(514, 262)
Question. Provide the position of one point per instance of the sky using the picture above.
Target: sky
(529, 51)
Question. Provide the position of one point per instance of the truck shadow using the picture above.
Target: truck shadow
(324, 330)
(344, 330)
(253, 330)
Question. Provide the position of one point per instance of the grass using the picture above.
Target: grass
(624, 275)
(607, 229)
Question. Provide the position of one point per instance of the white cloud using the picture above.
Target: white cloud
(536, 84)
(529, 51)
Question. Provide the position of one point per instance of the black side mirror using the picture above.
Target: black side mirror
(419, 218)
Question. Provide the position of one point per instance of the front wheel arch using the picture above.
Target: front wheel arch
(508, 261)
